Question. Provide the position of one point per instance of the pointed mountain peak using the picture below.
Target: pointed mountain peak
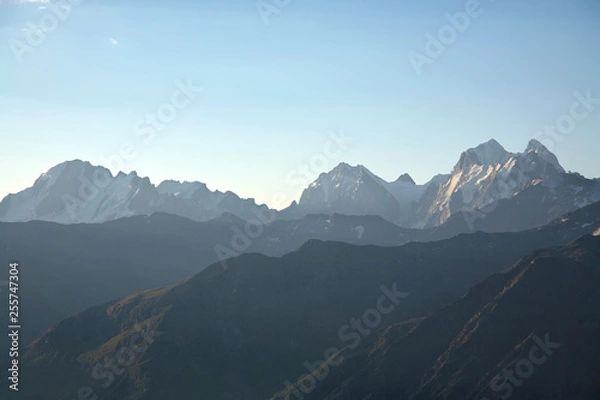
(538, 148)
(490, 148)
(535, 146)
(347, 168)
(405, 178)
(342, 167)
(344, 170)
(488, 153)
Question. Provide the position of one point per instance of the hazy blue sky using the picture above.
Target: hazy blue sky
(273, 92)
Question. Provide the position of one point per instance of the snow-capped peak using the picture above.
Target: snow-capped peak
(347, 170)
(488, 153)
(76, 191)
(538, 148)
(343, 175)
(355, 190)
(488, 173)
(352, 190)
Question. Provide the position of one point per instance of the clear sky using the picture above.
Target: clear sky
(273, 92)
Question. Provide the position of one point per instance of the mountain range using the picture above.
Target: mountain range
(480, 284)
(162, 249)
(486, 183)
(250, 330)
(71, 267)
(526, 333)
(77, 192)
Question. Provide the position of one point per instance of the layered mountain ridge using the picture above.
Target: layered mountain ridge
(76, 192)
(507, 337)
(237, 301)
(243, 332)
(485, 178)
